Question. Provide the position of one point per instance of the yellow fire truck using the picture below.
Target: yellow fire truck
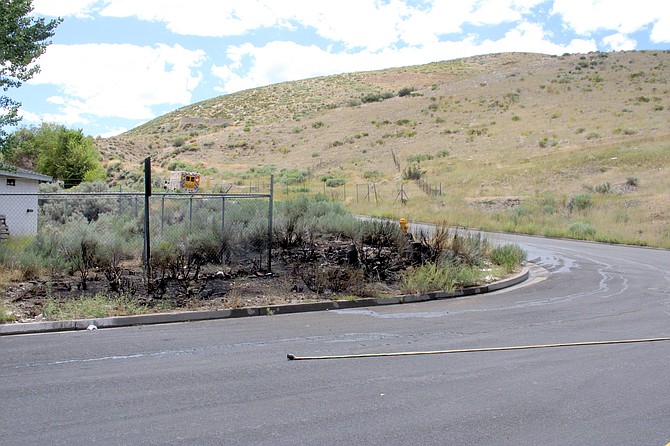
(183, 180)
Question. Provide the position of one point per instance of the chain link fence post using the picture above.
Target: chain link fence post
(270, 217)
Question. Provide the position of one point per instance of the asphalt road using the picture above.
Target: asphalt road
(229, 382)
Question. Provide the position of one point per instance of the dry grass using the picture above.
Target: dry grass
(532, 128)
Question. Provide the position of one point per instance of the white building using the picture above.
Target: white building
(18, 199)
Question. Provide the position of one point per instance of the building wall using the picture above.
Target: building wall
(18, 203)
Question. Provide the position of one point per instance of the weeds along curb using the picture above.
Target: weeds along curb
(192, 316)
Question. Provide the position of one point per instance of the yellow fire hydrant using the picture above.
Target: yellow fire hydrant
(403, 225)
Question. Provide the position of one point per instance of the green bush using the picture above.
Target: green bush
(412, 172)
(177, 165)
(372, 175)
(580, 202)
(443, 277)
(467, 249)
(181, 253)
(6, 314)
(420, 157)
(295, 220)
(582, 230)
(96, 306)
(381, 233)
(455, 247)
(31, 264)
(508, 256)
(81, 248)
(335, 182)
(604, 188)
(376, 97)
(293, 176)
(120, 243)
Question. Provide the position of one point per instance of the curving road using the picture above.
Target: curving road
(228, 382)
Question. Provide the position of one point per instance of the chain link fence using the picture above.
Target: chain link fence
(91, 235)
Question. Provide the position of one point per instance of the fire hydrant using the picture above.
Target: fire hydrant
(403, 225)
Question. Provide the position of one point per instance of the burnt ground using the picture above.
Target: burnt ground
(323, 269)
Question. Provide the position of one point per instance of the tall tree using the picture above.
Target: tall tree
(59, 152)
(23, 38)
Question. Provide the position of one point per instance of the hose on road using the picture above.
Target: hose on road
(292, 357)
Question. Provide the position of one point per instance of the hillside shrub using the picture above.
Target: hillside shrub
(420, 157)
(335, 182)
(582, 230)
(372, 175)
(412, 172)
(376, 97)
(292, 176)
(580, 202)
(177, 165)
(604, 188)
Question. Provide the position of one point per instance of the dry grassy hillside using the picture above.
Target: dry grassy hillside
(576, 146)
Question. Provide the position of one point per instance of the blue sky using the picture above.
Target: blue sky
(115, 64)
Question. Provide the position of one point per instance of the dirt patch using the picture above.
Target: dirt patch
(496, 204)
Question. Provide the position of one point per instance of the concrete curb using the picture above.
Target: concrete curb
(191, 316)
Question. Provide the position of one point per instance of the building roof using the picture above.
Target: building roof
(7, 170)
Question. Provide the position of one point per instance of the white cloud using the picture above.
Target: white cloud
(276, 62)
(113, 132)
(27, 116)
(620, 42)
(198, 17)
(355, 23)
(531, 37)
(369, 24)
(63, 8)
(422, 27)
(492, 12)
(588, 16)
(105, 80)
(661, 31)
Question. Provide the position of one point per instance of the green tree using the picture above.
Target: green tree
(69, 156)
(56, 151)
(23, 39)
